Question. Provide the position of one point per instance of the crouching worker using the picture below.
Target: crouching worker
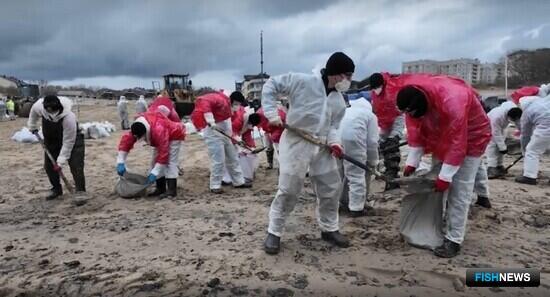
(500, 119)
(445, 118)
(359, 133)
(62, 140)
(212, 115)
(165, 136)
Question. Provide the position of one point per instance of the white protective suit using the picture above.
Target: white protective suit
(544, 90)
(359, 133)
(3, 110)
(141, 105)
(535, 132)
(222, 154)
(122, 107)
(499, 121)
(319, 114)
(459, 197)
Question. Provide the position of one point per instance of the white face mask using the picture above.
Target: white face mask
(342, 85)
(235, 107)
(378, 90)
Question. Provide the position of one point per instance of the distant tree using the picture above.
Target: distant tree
(529, 67)
(203, 90)
(10, 91)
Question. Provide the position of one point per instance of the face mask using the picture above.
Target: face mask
(378, 90)
(342, 85)
(235, 107)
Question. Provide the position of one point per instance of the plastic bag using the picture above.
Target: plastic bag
(25, 136)
(249, 163)
(131, 185)
(421, 221)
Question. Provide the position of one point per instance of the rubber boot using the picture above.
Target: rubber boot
(270, 152)
(336, 238)
(496, 172)
(483, 202)
(172, 188)
(54, 193)
(448, 249)
(526, 180)
(160, 189)
(272, 244)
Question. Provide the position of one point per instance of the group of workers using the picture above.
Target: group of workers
(7, 109)
(443, 117)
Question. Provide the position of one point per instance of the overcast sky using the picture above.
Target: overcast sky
(122, 44)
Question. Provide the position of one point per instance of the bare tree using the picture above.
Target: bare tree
(529, 67)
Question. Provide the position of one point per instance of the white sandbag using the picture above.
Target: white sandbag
(24, 136)
(421, 217)
(248, 162)
(421, 221)
(102, 132)
(93, 132)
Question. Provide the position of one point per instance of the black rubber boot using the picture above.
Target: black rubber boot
(483, 202)
(161, 187)
(272, 244)
(216, 191)
(54, 193)
(526, 180)
(448, 249)
(357, 213)
(244, 186)
(391, 186)
(172, 188)
(336, 238)
(270, 152)
(496, 172)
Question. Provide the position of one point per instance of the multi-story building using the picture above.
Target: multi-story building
(252, 85)
(470, 70)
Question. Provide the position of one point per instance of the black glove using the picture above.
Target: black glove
(503, 152)
(34, 131)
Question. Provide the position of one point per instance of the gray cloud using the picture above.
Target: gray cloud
(63, 40)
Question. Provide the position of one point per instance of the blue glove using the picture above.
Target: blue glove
(120, 169)
(151, 178)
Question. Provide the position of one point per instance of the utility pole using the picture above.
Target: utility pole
(506, 74)
(262, 55)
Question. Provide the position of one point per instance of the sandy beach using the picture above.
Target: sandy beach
(211, 245)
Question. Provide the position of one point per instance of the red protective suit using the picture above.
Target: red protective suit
(165, 101)
(455, 124)
(524, 91)
(216, 103)
(274, 132)
(384, 105)
(237, 122)
(160, 131)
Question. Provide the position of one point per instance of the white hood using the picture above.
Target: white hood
(65, 102)
(361, 103)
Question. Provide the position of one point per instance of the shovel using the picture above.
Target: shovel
(513, 163)
(239, 143)
(76, 201)
(308, 137)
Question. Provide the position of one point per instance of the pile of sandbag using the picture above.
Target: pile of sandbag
(96, 130)
(25, 136)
